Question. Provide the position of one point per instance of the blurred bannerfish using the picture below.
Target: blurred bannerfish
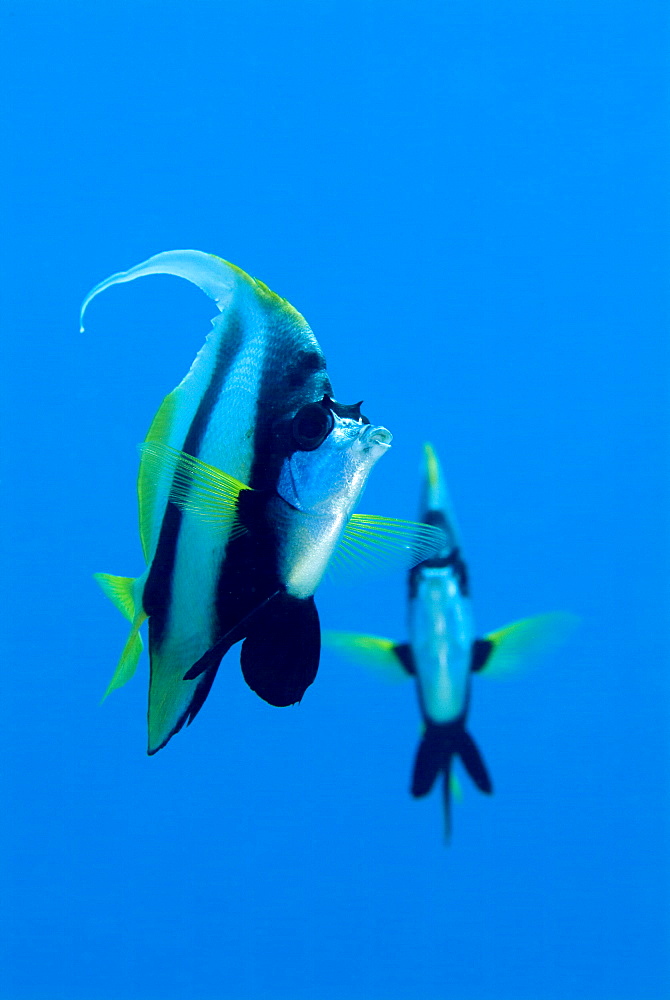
(247, 483)
(443, 651)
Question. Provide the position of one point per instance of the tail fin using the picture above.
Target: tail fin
(122, 592)
(439, 745)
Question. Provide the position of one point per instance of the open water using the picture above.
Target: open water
(468, 202)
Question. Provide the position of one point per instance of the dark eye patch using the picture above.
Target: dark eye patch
(311, 426)
(349, 411)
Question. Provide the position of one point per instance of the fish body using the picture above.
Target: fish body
(443, 651)
(248, 479)
(441, 647)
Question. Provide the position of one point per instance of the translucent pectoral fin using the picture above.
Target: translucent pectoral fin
(196, 487)
(522, 644)
(384, 544)
(370, 651)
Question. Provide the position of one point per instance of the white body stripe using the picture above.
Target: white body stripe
(187, 395)
(441, 630)
(308, 543)
(228, 445)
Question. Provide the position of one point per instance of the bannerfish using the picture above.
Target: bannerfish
(248, 479)
(443, 651)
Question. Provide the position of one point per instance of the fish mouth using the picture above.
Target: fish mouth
(378, 436)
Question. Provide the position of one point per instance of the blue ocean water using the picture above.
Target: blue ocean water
(468, 202)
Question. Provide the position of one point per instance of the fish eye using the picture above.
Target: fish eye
(311, 426)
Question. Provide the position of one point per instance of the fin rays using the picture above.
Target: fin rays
(197, 488)
(120, 590)
(380, 655)
(522, 644)
(384, 544)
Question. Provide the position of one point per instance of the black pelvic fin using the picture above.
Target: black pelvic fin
(280, 656)
(437, 749)
(211, 659)
(481, 650)
(403, 652)
(473, 762)
(201, 692)
(428, 762)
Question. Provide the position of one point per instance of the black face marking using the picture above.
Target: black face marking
(453, 558)
(293, 375)
(158, 589)
(304, 364)
(346, 411)
(311, 426)
(456, 561)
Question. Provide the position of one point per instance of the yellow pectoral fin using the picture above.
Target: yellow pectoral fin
(208, 493)
(130, 656)
(524, 643)
(371, 651)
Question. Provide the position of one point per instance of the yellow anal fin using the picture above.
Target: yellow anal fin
(119, 589)
(130, 656)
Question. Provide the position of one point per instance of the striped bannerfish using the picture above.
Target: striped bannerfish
(443, 651)
(248, 479)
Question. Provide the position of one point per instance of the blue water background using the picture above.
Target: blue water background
(468, 202)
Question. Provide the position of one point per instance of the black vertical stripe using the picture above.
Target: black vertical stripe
(157, 595)
(294, 373)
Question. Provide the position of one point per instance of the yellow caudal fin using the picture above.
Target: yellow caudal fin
(121, 591)
(130, 656)
(522, 644)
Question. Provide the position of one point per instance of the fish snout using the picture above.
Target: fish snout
(374, 436)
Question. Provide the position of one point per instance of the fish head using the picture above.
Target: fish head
(334, 448)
